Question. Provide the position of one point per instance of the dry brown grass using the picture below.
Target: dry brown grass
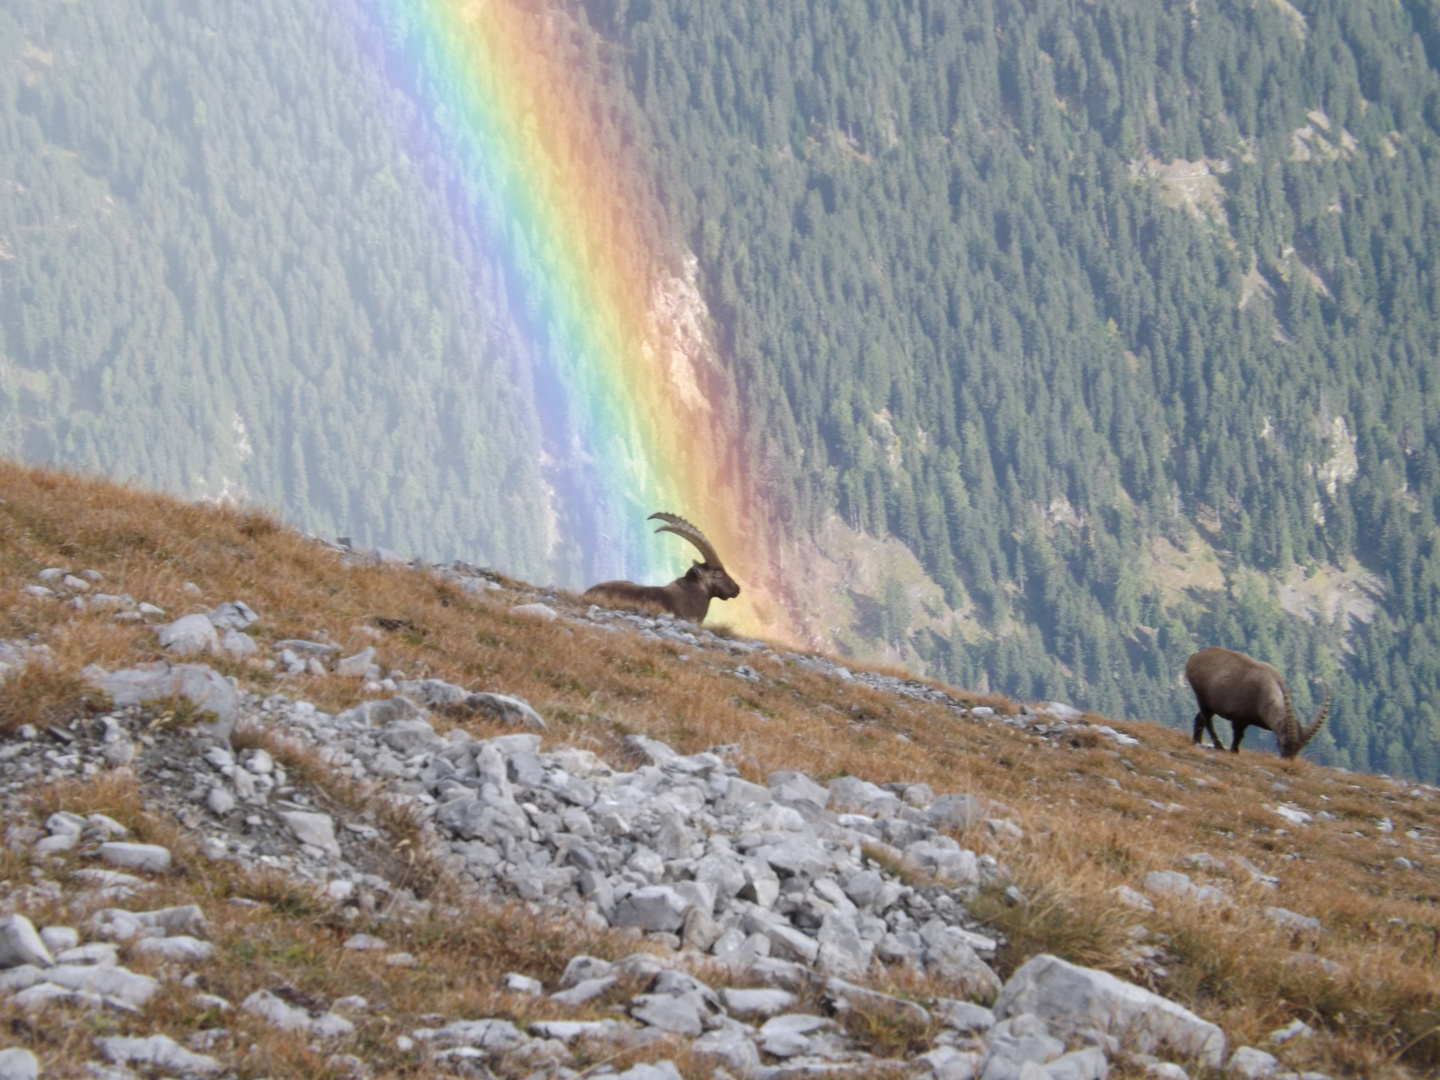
(1377, 1017)
(43, 695)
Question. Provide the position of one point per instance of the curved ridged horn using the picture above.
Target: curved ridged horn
(680, 527)
(1293, 733)
(1309, 732)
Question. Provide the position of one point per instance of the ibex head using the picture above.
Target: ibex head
(710, 573)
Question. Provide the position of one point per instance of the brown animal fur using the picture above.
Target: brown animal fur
(1247, 692)
(687, 597)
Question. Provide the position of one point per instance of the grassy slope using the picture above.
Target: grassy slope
(1084, 836)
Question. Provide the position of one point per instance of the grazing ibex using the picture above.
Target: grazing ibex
(1245, 691)
(686, 597)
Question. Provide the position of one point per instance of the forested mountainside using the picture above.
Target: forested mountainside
(223, 276)
(1123, 317)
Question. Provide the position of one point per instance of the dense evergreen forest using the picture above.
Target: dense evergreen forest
(1123, 316)
(222, 275)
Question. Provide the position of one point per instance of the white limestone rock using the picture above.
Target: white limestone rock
(58, 939)
(182, 948)
(146, 858)
(20, 944)
(288, 1017)
(18, 1063)
(1252, 1064)
(156, 1052)
(189, 635)
(318, 830)
(238, 644)
(1075, 999)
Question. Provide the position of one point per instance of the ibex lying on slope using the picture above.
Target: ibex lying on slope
(1245, 691)
(686, 597)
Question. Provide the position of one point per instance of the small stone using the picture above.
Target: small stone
(741, 793)
(677, 1015)
(506, 709)
(584, 991)
(287, 1017)
(117, 983)
(660, 1070)
(726, 1050)
(318, 830)
(357, 666)
(182, 947)
(536, 611)
(60, 938)
(54, 845)
(20, 944)
(157, 1052)
(947, 1063)
(1086, 1064)
(1172, 883)
(188, 635)
(1296, 1029)
(954, 812)
(99, 953)
(147, 858)
(365, 943)
(656, 907)
(523, 984)
(756, 1004)
(108, 826)
(64, 823)
(18, 1064)
(1018, 1047)
(795, 787)
(963, 1016)
(1132, 899)
(238, 644)
(863, 888)
(1289, 920)
(787, 1036)
(1252, 1064)
(219, 801)
(114, 924)
(232, 615)
(583, 967)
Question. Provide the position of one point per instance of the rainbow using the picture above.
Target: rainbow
(637, 415)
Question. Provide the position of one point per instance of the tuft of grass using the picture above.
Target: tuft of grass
(45, 694)
(1056, 921)
(888, 1033)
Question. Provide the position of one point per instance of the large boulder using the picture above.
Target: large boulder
(207, 690)
(1073, 1000)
